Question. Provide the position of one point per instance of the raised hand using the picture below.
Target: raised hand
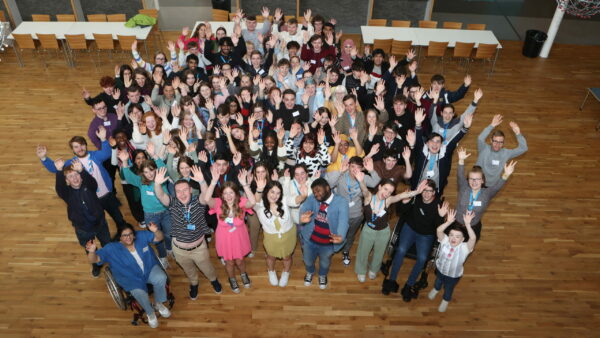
(265, 13)
(261, 183)
(41, 151)
(202, 156)
(451, 215)
(410, 54)
(101, 133)
(214, 173)
(468, 217)
(419, 94)
(305, 217)
(393, 62)
(360, 176)
(150, 149)
(134, 47)
(477, 94)
(411, 137)
(462, 154)
(421, 186)
(434, 95)
(380, 87)
(77, 165)
(406, 154)
(374, 150)
(515, 128)
(116, 93)
(123, 156)
(197, 174)
(467, 80)
(344, 165)
(419, 116)
(443, 209)
(59, 164)
(368, 164)
(86, 95)
(161, 175)
(496, 120)
(468, 120)
(509, 168)
(274, 175)
(294, 130)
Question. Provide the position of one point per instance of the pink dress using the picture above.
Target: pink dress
(232, 242)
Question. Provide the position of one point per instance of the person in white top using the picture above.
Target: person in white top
(452, 254)
(279, 229)
(296, 189)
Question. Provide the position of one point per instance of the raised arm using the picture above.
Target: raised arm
(393, 199)
(522, 148)
(360, 177)
(243, 179)
(206, 196)
(468, 217)
(481, 143)
(159, 179)
(460, 172)
(451, 216)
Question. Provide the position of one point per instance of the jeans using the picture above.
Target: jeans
(311, 251)
(448, 282)
(158, 279)
(353, 226)
(111, 204)
(407, 238)
(163, 220)
(101, 233)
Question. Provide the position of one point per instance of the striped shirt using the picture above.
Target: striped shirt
(321, 231)
(193, 214)
(450, 260)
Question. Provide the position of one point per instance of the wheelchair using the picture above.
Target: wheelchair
(124, 299)
(411, 253)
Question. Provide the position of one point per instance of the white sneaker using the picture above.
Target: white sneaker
(164, 262)
(285, 276)
(433, 293)
(163, 310)
(273, 278)
(142, 224)
(443, 306)
(152, 320)
(251, 254)
(361, 278)
(222, 261)
(372, 275)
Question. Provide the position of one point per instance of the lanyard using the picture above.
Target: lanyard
(296, 186)
(432, 161)
(187, 213)
(472, 199)
(262, 125)
(373, 213)
(352, 121)
(445, 132)
(350, 194)
(211, 159)
(90, 166)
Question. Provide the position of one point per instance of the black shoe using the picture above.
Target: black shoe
(234, 285)
(194, 292)
(389, 286)
(406, 294)
(414, 292)
(216, 286)
(245, 280)
(346, 258)
(96, 270)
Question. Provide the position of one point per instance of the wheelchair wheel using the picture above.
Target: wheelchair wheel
(117, 294)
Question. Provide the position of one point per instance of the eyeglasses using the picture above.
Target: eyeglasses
(101, 108)
(127, 235)
(429, 190)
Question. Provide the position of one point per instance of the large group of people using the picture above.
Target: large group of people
(289, 130)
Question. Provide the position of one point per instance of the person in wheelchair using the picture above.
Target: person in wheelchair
(134, 264)
(422, 214)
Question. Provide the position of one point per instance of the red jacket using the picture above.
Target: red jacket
(316, 59)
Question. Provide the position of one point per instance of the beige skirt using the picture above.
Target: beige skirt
(280, 247)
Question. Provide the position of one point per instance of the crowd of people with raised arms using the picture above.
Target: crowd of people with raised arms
(287, 130)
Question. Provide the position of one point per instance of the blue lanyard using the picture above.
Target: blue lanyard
(211, 159)
(296, 186)
(262, 125)
(187, 213)
(445, 130)
(432, 161)
(350, 186)
(373, 213)
(352, 122)
(471, 199)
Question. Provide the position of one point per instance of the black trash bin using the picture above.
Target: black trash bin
(534, 40)
(222, 4)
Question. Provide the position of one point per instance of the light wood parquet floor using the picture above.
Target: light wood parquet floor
(535, 273)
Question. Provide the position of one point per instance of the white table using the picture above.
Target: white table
(86, 28)
(228, 25)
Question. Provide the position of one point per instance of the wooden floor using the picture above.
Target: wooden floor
(535, 273)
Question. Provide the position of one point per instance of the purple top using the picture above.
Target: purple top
(110, 124)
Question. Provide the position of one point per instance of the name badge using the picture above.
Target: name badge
(351, 204)
(476, 203)
(422, 212)
(371, 225)
(145, 249)
(229, 220)
(149, 193)
(106, 123)
(191, 227)
(299, 76)
(381, 213)
(314, 62)
(347, 67)
(430, 173)
(296, 113)
(261, 72)
(232, 229)
(495, 162)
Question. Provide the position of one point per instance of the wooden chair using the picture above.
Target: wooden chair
(437, 49)
(377, 22)
(66, 17)
(487, 51)
(116, 18)
(125, 42)
(220, 15)
(50, 42)
(452, 25)
(463, 51)
(24, 41)
(427, 24)
(260, 18)
(287, 17)
(96, 17)
(40, 17)
(476, 26)
(230, 16)
(399, 48)
(385, 44)
(155, 32)
(400, 23)
(104, 42)
(77, 42)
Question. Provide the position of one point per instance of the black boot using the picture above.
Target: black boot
(389, 286)
(406, 294)
(413, 291)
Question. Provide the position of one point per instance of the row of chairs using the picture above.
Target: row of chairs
(93, 17)
(462, 50)
(427, 24)
(223, 15)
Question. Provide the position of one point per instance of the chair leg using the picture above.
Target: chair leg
(584, 99)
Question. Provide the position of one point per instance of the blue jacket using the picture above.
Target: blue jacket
(97, 156)
(337, 215)
(124, 267)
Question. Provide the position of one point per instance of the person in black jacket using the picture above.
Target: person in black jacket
(78, 189)
(109, 95)
(255, 67)
(229, 52)
(290, 111)
(433, 160)
(422, 215)
(388, 140)
(446, 96)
